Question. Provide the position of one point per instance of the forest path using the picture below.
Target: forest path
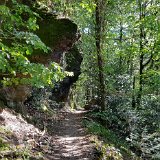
(71, 142)
(63, 136)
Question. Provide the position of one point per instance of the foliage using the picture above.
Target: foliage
(41, 100)
(131, 56)
(3, 145)
(17, 42)
(110, 144)
(140, 128)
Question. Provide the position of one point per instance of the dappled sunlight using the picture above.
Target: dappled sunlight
(71, 141)
(73, 146)
(65, 138)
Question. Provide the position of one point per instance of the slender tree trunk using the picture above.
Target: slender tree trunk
(142, 37)
(132, 76)
(98, 38)
(120, 41)
(87, 94)
(140, 80)
(133, 93)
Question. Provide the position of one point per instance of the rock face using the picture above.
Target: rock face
(14, 96)
(73, 62)
(60, 35)
(16, 93)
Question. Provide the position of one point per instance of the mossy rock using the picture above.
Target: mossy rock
(53, 30)
(58, 34)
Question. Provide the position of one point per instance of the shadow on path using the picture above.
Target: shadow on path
(63, 136)
(70, 139)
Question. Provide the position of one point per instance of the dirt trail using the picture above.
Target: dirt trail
(71, 141)
(65, 137)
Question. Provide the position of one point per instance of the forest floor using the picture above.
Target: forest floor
(57, 136)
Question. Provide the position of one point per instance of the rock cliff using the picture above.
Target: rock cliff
(60, 35)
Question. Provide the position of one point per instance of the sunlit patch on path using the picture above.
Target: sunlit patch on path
(65, 137)
(71, 140)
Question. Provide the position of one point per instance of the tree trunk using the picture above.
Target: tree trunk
(133, 93)
(98, 38)
(120, 41)
(142, 37)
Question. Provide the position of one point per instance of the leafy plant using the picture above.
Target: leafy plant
(3, 145)
(18, 41)
(111, 146)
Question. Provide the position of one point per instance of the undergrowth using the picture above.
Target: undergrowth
(109, 144)
(3, 145)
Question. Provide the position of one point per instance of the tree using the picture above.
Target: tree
(99, 25)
